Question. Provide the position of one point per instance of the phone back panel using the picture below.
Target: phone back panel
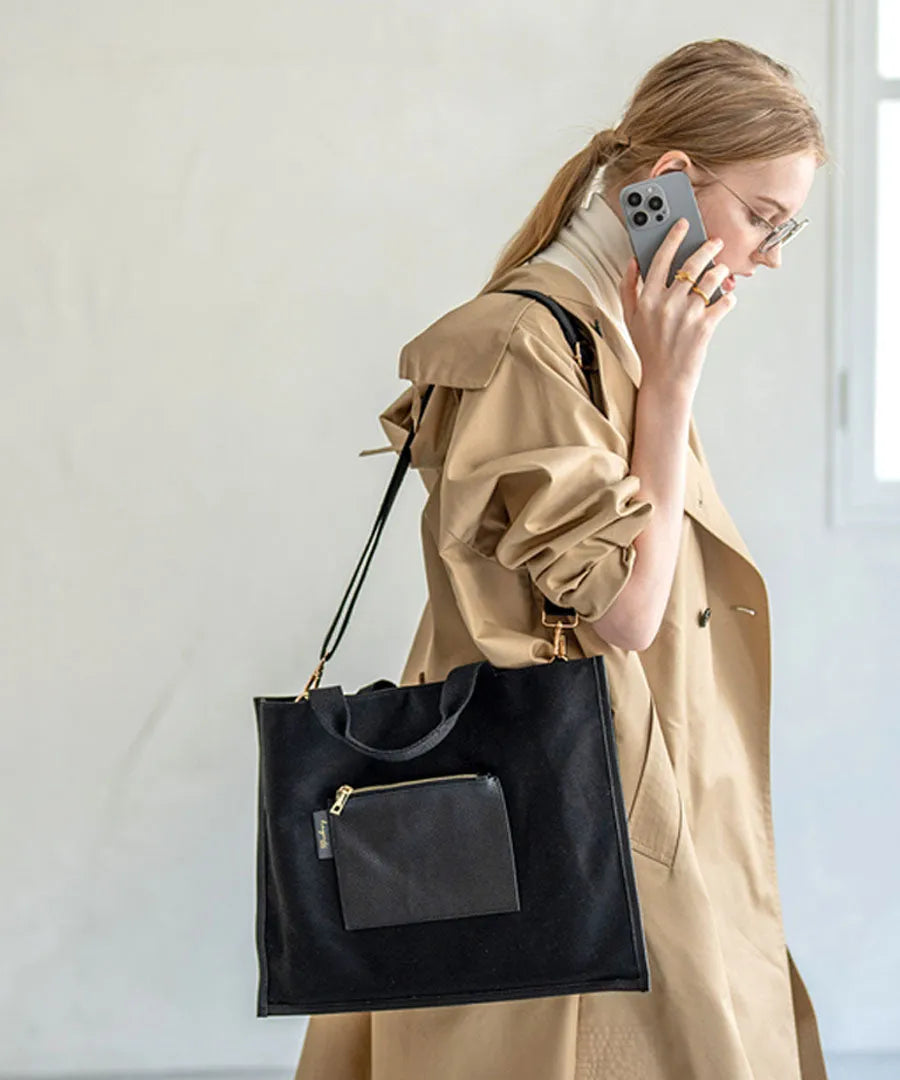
(674, 188)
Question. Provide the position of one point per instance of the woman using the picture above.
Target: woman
(534, 491)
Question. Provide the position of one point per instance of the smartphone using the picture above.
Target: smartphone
(651, 208)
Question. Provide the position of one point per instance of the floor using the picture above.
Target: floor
(840, 1067)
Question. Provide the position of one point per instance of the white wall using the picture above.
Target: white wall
(220, 221)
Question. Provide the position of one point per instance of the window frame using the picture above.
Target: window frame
(857, 495)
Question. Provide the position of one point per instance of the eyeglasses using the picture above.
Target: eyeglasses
(778, 234)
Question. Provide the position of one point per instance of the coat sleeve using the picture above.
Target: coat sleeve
(537, 477)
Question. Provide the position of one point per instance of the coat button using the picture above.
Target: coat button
(704, 616)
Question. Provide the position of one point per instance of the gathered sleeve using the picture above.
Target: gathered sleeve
(537, 478)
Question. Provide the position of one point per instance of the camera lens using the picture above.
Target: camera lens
(660, 217)
(634, 198)
(655, 202)
(640, 218)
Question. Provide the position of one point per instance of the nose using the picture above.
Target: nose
(770, 258)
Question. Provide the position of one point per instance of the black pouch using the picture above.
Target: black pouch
(419, 850)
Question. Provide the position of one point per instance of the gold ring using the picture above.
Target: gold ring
(683, 275)
(701, 292)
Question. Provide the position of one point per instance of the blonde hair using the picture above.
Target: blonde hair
(718, 100)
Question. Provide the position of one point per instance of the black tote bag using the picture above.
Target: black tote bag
(449, 842)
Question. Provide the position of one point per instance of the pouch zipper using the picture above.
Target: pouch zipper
(344, 792)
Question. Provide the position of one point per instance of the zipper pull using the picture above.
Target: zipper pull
(343, 793)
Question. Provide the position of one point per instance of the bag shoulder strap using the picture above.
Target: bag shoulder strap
(579, 340)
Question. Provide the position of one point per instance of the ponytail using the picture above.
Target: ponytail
(559, 200)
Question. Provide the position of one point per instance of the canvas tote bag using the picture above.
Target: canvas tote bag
(448, 842)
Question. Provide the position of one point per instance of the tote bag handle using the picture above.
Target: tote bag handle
(579, 340)
(332, 710)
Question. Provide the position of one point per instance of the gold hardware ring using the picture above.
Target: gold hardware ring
(683, 275)
(695, 289)
(559, 638)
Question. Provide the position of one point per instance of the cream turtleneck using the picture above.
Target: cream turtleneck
(593, 244)
(595, 247)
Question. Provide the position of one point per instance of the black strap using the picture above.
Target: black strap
(579, 340)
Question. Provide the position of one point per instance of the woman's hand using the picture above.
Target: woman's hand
(670, 325)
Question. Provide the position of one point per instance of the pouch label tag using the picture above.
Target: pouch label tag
(323, 834)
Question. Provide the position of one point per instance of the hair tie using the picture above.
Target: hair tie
(605, 140)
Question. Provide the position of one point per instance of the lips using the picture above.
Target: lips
(729, 283)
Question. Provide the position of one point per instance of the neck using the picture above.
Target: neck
(612, 201)
(593, 244)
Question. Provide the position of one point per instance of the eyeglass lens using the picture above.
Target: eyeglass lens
(786, 231)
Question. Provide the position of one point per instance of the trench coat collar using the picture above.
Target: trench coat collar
(702, 501)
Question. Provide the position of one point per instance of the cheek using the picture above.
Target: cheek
(738, 241)
(722, 225)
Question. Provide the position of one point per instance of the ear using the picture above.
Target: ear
(671, 161)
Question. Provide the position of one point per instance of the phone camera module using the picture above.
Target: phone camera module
(655, 202)
(640, 218)
(634, 198)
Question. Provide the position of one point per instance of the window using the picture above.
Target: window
(866, 295)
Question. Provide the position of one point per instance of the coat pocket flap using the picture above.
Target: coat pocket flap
(656, 817)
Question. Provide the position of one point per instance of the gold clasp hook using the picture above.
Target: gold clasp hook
(559, 638)
(313, 681)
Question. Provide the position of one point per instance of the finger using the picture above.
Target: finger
(700, 261)
(712, 278)
(638, 280)
(715, 272)
(658, 273)
(629, 288)
(717, 311)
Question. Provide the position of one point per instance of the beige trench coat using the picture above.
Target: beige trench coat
(529, 494)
